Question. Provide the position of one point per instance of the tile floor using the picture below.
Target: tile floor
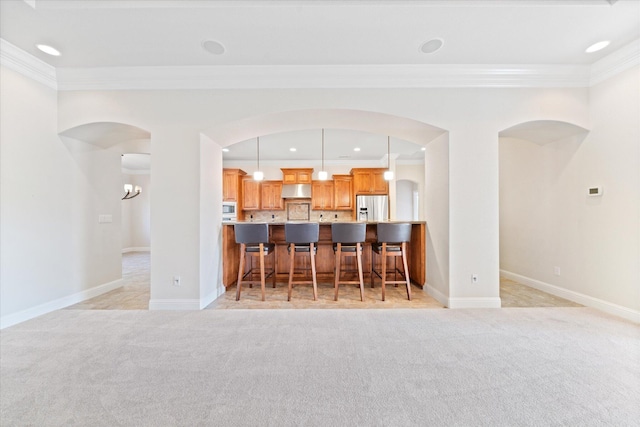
(134, 294)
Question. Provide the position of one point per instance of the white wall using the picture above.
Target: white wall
(136, 214)
(175, 119)
(436, 208)
(53, 251)
(415, 174)
(547, 219)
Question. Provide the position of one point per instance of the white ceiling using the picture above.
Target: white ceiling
(155, 34)
(99, 33)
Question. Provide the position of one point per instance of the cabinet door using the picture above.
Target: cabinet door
(304, 177)
(289, 177)
(272, 195)
(343, 193)
(250, 195)
(231, 184)
(362, 182)
(322, 195)
(378, 184)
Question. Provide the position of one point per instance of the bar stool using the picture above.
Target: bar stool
(392, 242)
(347, 241)
(254, 241)
(302, 238)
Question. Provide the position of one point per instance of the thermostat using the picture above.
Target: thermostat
(594, 191)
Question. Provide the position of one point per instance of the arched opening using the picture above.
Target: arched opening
(535, 206)
(374, 125)
(114, 155)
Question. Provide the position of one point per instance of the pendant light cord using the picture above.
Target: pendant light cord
(322, 149)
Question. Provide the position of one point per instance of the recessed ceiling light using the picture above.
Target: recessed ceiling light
(292, 149)
(213, 47)
(424, 148)
(431, 46)
(356, 149)
(226, 150)
(597, 46)
(48, 49)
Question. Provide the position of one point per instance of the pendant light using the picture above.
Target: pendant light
(258, 175)
(323, 175)
(388, 174)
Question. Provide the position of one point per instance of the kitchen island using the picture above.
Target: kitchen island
(325, 259)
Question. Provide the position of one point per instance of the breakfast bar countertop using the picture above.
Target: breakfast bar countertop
(321, 222)
(325, 259)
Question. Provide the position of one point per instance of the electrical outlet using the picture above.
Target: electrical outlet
(474, 278)
(176, 280)
(556, 271)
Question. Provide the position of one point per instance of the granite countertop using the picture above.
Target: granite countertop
(319, 222)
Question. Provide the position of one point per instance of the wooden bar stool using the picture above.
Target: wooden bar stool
(348, 239)
(254, 241)
(392, 242)
(302, 238)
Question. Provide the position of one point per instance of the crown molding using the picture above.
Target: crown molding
(616, 62)
(26, 64)
(322, 77)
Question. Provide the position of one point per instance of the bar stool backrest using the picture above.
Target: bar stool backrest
(301, 233)
(252, 233)
(342, 232)
(394, 233)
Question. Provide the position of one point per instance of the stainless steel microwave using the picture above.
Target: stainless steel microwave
(229, 208)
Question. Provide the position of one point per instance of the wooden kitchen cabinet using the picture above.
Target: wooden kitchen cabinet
(232, 184)
(271, 195)
(250, 194)
(343, 192)
(296, 176)
(369, 181)
(322, 195)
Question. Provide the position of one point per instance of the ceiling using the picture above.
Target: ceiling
(339, 146)
(113, 34)
(117, 33)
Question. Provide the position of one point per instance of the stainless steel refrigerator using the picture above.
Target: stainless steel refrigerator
(372, 208)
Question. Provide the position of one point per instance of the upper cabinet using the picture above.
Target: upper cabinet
(297, 176)
(250, 194)
(343, 192)
(271, 195)
(322, 195)
(231, 184)
(369, 181)
(265, 195)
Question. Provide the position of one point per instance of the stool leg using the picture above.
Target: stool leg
(292, 250)
(384, 268)
(373, 265)
(273, 272)
(262, 269)
(243, 249)
(313, 271)
(406, 269)
(336, 273)
(359, 261)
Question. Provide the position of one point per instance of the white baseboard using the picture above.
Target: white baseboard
(136, 249)
(439, 296)
(589, 301)
(186, 304)
(475, 302)
(220, 289)
(60, 303)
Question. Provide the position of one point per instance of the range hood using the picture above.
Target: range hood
(296, 191)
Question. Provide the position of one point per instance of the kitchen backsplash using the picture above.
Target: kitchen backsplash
(297, 211)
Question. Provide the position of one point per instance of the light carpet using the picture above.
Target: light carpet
(485, 367)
